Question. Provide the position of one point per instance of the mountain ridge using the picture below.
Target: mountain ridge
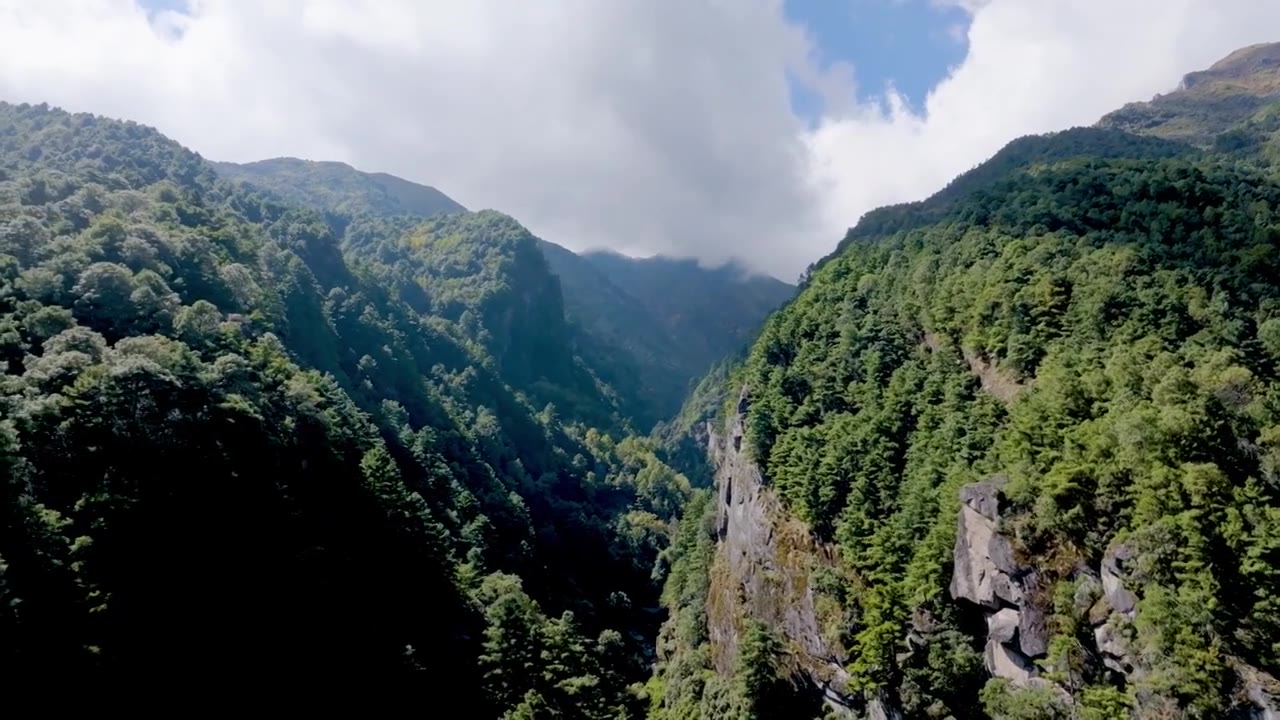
(1210, 103)
(648, 327)
(314, 183)
(956, 472)
(226, 443)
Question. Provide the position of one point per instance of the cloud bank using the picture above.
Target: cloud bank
(646, 127)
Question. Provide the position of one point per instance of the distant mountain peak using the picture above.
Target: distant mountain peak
(287, 160)
(1254, 69)
(334, 186)
(734, 266)
(1235, 92)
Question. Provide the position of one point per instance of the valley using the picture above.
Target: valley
(1012, 451)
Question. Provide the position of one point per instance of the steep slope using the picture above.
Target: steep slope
(339, 188)
(708, 313)
(484, 271)
(667, 321)
(481, 271)
(646, 327)
(1013, 451)
(1026, 152)
(621, 339)
(1233, 107)
(222, 445)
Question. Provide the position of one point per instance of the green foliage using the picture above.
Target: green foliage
(339, 189)
(485, 274)
(1003, 701)
(1090, 321)
(660, 323)
(225, 445)
(760, 676)
(646, 328)
(684, 658)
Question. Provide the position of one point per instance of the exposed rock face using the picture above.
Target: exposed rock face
(1261, 691)
(1114, 571)
(986, 575)
(1210, 102)
(983, 559)
(1113, 646)
(762, 570)
(881, 707)
(1114, 612)
(1003, 661)
(997, 382)
(765, 561)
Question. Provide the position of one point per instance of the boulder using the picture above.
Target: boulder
(881, 707)
(1003, 661)
(1088, 590)
(983, 498)
(1113, 646)
(983, 558)
(1114, 571)
(1261, 691)
(987, 575)
(1002, 626)
(1033, 632)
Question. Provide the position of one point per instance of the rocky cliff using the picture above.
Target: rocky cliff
(987, 574)
(764, 570)
(767, 563)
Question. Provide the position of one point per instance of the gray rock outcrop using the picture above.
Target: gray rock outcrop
(1115, 611)
(1261, 691)
(762, 569)
(1114, 570)
(987, 575)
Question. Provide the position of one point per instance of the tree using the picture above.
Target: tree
(197, 324)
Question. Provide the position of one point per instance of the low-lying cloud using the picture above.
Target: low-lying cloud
(641, 126)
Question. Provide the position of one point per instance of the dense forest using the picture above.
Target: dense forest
(1083, 333)
(227, 444)
(648, 328)
(1013, 451)
(338, 189)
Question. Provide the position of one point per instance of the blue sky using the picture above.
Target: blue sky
(909, 44)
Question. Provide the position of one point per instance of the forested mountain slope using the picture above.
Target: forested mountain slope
(225, 448)
(1222, 107)
(1012, 452)
(671, 319)
(484, 272)
(709, 313)
(646, 327)
(339, 188)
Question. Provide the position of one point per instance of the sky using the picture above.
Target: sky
(755, 129)
(907, 46)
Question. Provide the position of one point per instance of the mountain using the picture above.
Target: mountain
(1241, 89)
(1012, 451)
(646, 327)
(339, 188)
(665, 321)
(485, 273)
(708, 312)
(227, 443)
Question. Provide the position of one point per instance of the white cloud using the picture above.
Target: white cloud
(1033, 66)
(643, 126)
